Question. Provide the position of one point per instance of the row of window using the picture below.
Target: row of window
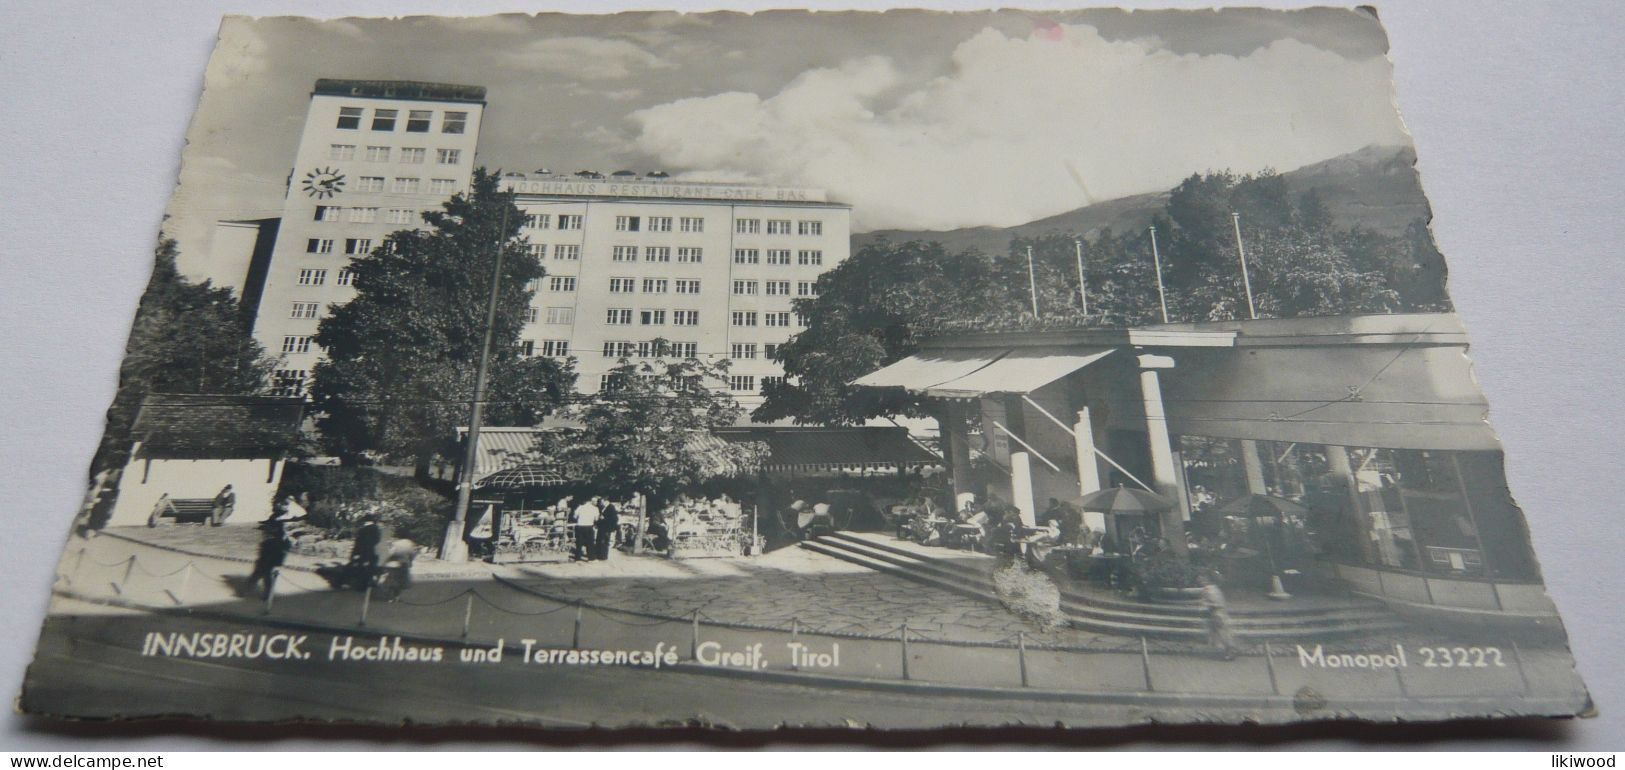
(289, 382)
(400, 184)
(633, 224)
(739, 383)
(318, 277)
(779, 227)
(654, 349)
(417, 121)
(804, 257)
(363, 214)
(685, 254)
(327, 245)
(378, 153)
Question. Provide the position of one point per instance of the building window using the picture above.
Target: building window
(746, 256)
(653, 349)
(743, 350)
(693, 225)
(377, 154)
(399, 217)
(778, 227)
(384, 120)
(685, 318)
(364, 214)
(771, 380)
(618, 316)
(625, 224)
(778, 288)
(448, 157)
(745, 288)
(685, 349)
(687, 286)
(538, 221)
(569, 221)
(659, 224)
(624, 254)
(741, 383)
(654, 286)
(556, 348)
(801, 320)
(326, 214)
(312, 277)
(810, 257)
(413, 154)
(303, 310)
(345, 278)
(806, 227)
(341, 152)
(652, 317)
(443, 186)
(537, 250)
(771, 350)
(296, 344)
(747, 226)
(623, 285)
(561, 315)
(806, 289)
(349, 117)
(417, 121)
(781, 319)
(690, 254)
(319, 246)
(778, 256)
(357, 245)
(744, 318)
(527, 348)
(617, 349)
(370, 184)
(561, 283)
(454, 123)
(657, 253)
(530, 315)
(405, 184)
(567, 251)
(288, 382)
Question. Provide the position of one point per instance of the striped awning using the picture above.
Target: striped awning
(972, 373)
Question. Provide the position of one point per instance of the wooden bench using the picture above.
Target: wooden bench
(198, 509)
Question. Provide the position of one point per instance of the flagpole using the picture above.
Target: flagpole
(1032, 282)
(1241, 252)
(1156, 260)
(1083, 292)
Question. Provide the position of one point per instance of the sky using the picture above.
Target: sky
(919, 119)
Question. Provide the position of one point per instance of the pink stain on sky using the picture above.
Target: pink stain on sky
(1047, 29)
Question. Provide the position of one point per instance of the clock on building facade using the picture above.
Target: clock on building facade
(323, 183)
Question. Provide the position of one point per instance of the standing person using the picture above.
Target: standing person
(224, 503)
(608, 525)
(273, 552)
(368, 537)
(584, 518)
(1220, 633)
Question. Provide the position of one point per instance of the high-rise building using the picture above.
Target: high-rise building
(711, 268)
(373, 155)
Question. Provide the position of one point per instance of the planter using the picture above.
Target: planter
(1176, 595)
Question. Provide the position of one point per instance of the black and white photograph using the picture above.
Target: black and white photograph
(897, 370)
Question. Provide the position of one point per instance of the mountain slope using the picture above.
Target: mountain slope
(1375, 187)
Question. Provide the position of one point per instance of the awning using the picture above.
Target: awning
(972, 373)
(843, 447)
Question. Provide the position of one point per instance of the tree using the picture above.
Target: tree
(187, 338)
(647, 432)
(401, 355)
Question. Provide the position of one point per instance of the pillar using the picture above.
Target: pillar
(1163, 474)
(1337, 459)
(956, 447)
(1255, 467)
(1021, 487)
(1083, 443)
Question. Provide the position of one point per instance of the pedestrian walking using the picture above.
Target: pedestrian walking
(1220, 633)
(273, 551)
(607, 526)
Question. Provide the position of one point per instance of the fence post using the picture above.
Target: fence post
(575, 637)
(1021, 655)
(1269, 663)
(694, 637)
(468, 612)
(902, 633)
(795, 630)
(1399, 679)
(79, 559)
(270, 588)
(1145, 664)
(1517, 660)
(366, 604)
(129, 567)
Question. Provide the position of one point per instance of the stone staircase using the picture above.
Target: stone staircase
(971, 574)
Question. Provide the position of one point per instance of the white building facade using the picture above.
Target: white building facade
(711, 268)
(372, 156)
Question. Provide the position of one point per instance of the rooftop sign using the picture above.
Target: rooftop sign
(643, 188)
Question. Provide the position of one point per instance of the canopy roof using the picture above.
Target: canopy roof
(791, 448)
(974, 372)
(195, 426)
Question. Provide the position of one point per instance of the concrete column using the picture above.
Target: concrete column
(1337, 459)
(1021, 487)
(955, 447)
(1163, 474)
(1083, 442)
(1255, 467)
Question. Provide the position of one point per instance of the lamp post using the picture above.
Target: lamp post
(1241, 253)
(1083, 292)
(1156, 261)
(1032, 282)
(452, 546)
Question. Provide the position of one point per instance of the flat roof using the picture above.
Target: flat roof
(1367, 329)
(662, 189)
(413, 90)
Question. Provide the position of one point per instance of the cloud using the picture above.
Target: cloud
(587, 58)
(1023, 128)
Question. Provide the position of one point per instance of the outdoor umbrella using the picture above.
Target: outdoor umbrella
(1256, 505)
(1125, 501)
(523, 476)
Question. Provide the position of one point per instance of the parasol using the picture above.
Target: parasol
(1262, 506)
(1124, 501)
(523, 476)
